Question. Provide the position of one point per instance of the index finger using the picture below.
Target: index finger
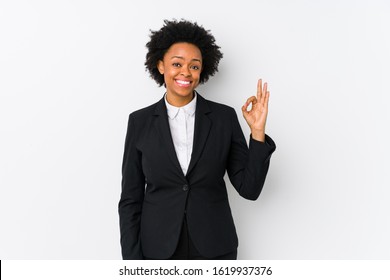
(259, 89)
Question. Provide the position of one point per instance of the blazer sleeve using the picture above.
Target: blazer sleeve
(130, 204)
(247, 168)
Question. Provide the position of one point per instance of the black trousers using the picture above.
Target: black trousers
(186, 249)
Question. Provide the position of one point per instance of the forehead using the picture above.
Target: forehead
(184, 50)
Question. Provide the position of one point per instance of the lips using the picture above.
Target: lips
(183, 83)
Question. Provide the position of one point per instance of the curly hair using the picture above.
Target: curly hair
(182, 32)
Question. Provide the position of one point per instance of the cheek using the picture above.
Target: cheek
(196, 84)
(171, 72)
(198, 78)
(167, 76)
(196, 75)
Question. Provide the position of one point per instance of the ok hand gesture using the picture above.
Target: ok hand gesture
(256, 117)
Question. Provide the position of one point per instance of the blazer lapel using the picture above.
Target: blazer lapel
(165, 132)
(201, 130)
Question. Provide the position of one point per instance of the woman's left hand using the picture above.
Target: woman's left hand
(256, 117)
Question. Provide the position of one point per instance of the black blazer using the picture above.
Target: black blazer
(156, 195)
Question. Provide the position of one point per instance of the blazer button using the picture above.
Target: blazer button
(185, 188)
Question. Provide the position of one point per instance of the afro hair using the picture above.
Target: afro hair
(182, 32)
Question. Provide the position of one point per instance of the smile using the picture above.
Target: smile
(183, 83)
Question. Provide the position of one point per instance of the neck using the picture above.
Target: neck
(179, 101)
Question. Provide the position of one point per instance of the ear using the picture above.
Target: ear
(160, 67)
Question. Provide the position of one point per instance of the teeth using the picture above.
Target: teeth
(183, 82)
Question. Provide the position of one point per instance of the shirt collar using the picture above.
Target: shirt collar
(188, 109)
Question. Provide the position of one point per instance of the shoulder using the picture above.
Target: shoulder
(144, 112)
(139, 119)
(217, 108)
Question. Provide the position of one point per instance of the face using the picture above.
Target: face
(181, 67)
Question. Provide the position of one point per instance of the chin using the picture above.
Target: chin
(185, 93)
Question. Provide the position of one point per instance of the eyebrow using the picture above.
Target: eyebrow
(194, 59)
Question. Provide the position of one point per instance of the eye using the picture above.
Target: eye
(195, 67)
(176, 64)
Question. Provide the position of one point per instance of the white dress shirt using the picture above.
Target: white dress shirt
(182, 122)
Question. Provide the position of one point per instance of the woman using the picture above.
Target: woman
(174, 203)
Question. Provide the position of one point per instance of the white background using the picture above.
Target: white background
(72, 71)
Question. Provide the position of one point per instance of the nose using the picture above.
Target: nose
(185, 72)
